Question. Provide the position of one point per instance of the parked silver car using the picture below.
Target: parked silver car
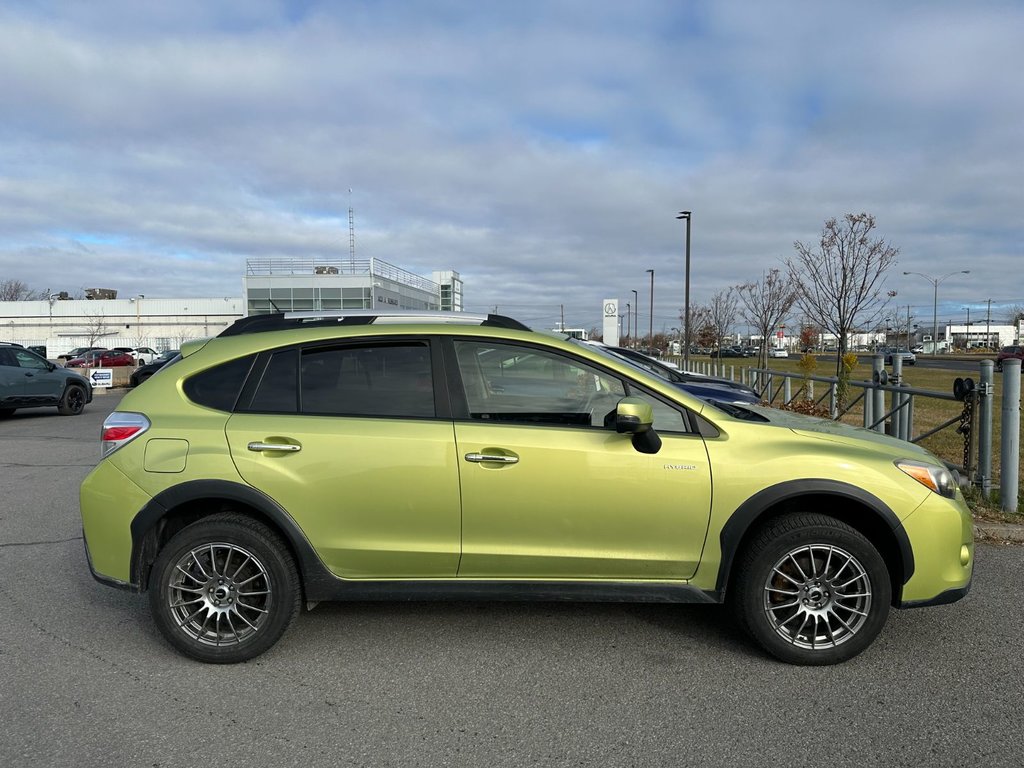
(909, 358)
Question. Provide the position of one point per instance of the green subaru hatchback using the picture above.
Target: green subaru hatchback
(302, 457)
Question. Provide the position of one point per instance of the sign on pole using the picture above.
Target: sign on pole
(610, 329)
(101, 378)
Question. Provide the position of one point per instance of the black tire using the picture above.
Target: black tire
(777, 590)
(72, 402)
(241, 581)
(5, 412)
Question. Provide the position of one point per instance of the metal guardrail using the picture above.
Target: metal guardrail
(973, 423)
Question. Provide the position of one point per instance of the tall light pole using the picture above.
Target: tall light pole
(636, 317)
(935, 301)
(686, 294)
(650, 333)
(629, 323)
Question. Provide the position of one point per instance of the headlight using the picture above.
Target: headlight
(938, 479)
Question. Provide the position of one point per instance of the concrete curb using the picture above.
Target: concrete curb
(1004, 533)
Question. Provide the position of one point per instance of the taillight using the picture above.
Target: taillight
(121, 428)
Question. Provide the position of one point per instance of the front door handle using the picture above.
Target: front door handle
(497, 458)
(291, 447)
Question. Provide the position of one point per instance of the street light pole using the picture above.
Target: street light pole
(629, 323)
(636, 318)
(935, 301)
(686, 294)
(650, 333)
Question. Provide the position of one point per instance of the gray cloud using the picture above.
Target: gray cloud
(540, 149)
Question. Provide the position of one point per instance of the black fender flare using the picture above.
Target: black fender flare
(311, 567)
(750, 511)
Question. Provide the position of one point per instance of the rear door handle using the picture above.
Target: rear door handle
(257, 446)
(497, 458)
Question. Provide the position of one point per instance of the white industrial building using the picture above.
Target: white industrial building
(137, 321)
(269, 285)
(294, 284)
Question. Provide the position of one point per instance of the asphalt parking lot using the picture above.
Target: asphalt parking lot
(85, 680)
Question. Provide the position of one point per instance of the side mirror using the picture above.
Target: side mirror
(635, 417)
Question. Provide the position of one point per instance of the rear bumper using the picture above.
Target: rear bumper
(106, 580)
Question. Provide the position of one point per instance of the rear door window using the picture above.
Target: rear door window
(377, 379)
(391, 379)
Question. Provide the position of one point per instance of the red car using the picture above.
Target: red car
(1009, 353)
(101, 358)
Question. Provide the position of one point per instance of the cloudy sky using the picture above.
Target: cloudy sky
(541, 149)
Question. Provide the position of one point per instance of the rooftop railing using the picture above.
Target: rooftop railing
(321, 266)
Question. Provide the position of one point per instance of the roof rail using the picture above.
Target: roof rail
(281, 321)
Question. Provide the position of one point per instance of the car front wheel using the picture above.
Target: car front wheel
(72, 402)
(811, 590)
(224, 589)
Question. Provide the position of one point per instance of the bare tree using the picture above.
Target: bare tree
(766, 304)
(95, 327)
(1015, 313)
(701, 332)
(700, 335)
(723, 310)
(16, 290)
(840, 278)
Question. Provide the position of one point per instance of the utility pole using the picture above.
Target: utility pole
(650, 333)
(636, 315)
(629, 323)
(562, 307)
(988, 327)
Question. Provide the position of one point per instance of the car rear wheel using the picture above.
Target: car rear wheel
(811, 590)
(224, 589)
(72, 402)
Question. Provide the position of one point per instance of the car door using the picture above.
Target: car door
(549, 491)
(41, 384)
(353, 442)
(12, 379)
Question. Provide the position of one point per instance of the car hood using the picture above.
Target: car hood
(838, 432)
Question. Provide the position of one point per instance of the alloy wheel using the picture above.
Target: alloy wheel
(817, 596)
(219, 594)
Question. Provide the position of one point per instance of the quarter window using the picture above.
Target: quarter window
(218, 387)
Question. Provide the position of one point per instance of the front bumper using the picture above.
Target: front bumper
(941, 534)
(945, 598)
